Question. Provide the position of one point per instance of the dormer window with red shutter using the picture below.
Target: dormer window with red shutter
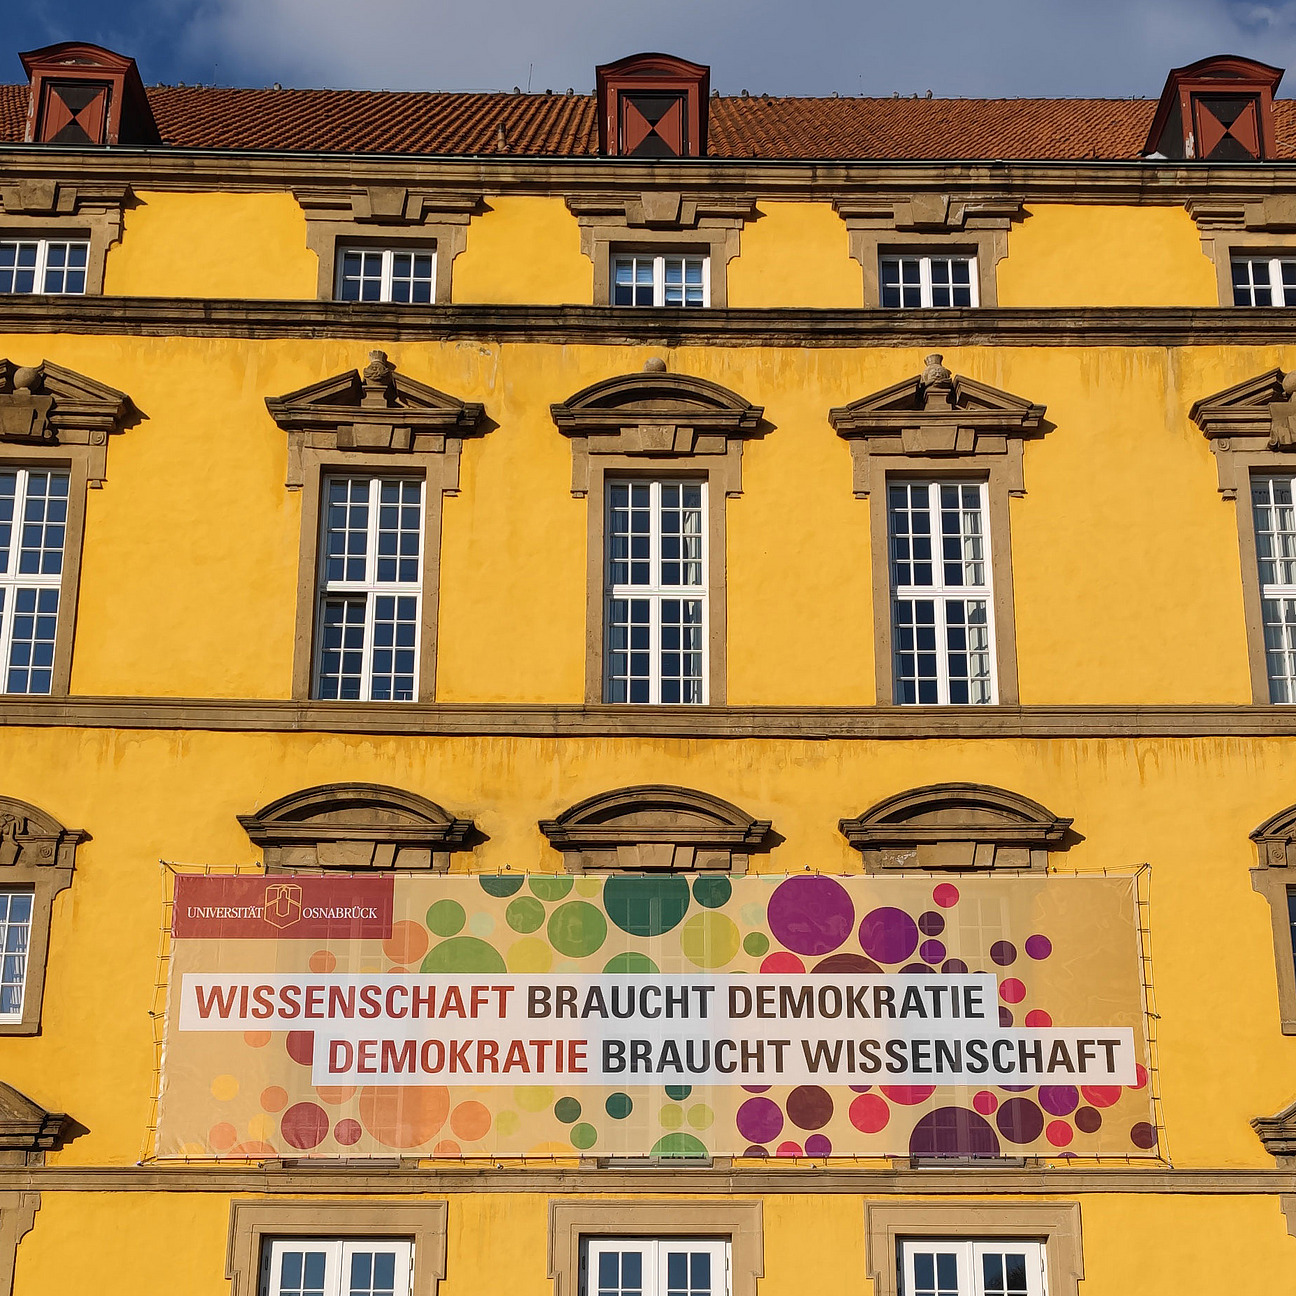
(652, 106)
(1216, 110)
(84, 94)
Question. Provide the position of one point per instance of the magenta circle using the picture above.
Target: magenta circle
(1059, 1100)
(818, 1145)
(889, 935)
(755, 1150)
(1038, 947)
(945, 894)
(1005, 1017)
(811, 915)
(759, 1120)
(931, 951)
(758, 1088)
(953, 1131)
(1020, 1120)
(1143, 1135)
(953, 966)
(1003, 953)
(931, 923)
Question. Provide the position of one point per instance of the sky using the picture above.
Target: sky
(992, 48)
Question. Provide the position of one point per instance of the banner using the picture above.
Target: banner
(543, 1015)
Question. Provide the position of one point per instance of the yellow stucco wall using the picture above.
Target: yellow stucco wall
(190, 563)
(212, 245)
(795, 254)
(1106, 256)
(524, 251)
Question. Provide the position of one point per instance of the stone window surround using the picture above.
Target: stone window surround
(36, 852)
(655, 827)
(53, 418)
(1251, 428)
(254, 1222)
(1273, 876)
(661, 221)
(387, 216)
(55, 210)
(941, 224)
(322, 439)
(17, 1217)
(740, 1221)
(1255, 227)
(964, 826)
(948, 438)
(1056, 1224)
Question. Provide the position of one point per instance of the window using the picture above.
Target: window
(1275, 537)
(370, 589)
(363, 1267)
(33, 525)
(942, 640)
(912, 281)
(41, 265)
(656, 595)
(387, 275)
(655, 1267)
(661, 280)
(933, 1267)
(1264, 281)
(15, 936)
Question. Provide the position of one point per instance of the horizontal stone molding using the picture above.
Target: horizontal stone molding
(723, 1178)
(618, 326)
(539, 720)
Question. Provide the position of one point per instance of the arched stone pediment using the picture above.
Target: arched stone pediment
(656, 415)
(956, 826)
(356, 826)
(655, 827)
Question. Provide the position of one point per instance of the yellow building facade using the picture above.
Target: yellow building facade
(551, 530)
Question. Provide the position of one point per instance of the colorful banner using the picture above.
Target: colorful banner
(542, 1015)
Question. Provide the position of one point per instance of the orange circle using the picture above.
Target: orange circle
(322, 961)
(470, 1120)
(446, 1148)
(335, 1095)
(222, 1136)
(407, 943)
(404, 1116)
(274, 1099)
(254, 1150)
(256, 1039)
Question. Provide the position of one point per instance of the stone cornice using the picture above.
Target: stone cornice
(458, 719)
(1162, 326)
(395, 1178)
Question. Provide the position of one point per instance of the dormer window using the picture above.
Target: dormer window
(1216, 110)
(652, 106)
(84, 94)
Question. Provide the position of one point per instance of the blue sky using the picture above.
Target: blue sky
(876, 47)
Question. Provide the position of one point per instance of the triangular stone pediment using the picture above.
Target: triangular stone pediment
(1278, 1132)
(25, 1126)
(1255, 415)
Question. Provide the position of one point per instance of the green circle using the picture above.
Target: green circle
(712, 892)
(755, 943)
(646, 906)
(463, 954)
(445, 918)
(584, 1135)
(548, 886)
(678, 1092)
(618, 1105)
(577, 928)
(679, 1145)
(500, 885)
(524, 914)
(630, 961)
(567, 1110)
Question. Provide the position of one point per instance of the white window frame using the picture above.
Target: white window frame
(968, 1254)
(388, 255)
(21, 951)
(1273, 263)
(655, 593)
(13, 581)
(940, 594)
(370, 588)
(1282, 685)
(338, 1253)
(659, 260)
(925, 285)
(43, 244)
(655, 1253)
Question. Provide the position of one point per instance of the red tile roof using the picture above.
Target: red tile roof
(543, 125)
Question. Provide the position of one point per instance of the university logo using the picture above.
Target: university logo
(283, 902)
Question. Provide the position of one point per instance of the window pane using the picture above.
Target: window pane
(15, 935)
